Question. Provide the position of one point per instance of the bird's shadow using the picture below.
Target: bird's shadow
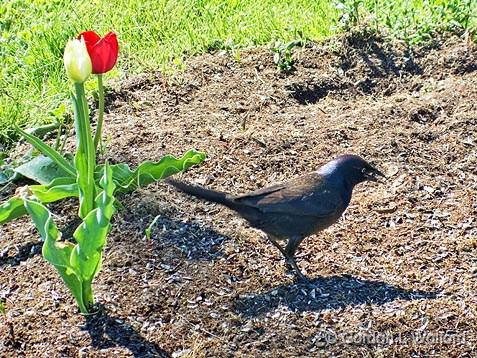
(107, 331)
(322, 293)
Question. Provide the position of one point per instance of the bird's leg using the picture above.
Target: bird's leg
(290, 255)
(273, 240)
(290, 261)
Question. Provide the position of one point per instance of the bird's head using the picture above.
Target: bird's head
(352, 168)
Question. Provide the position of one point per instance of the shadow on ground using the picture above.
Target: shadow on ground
(326, 293)
(23, 253)
(107, 331)
(380, 61)
(197, 242)
(362, 53)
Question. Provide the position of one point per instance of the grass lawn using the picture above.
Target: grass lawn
(159, 34)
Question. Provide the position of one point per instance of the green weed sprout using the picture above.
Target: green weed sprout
(283, 55)
(148, 230)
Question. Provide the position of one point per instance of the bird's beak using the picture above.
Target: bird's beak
(375, 175)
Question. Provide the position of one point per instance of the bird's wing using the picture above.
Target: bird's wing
(308, 195)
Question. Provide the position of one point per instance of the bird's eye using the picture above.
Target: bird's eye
(363, 170)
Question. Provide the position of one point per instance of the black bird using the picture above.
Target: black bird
(298, 208)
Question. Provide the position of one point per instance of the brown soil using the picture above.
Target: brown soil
(402, 264)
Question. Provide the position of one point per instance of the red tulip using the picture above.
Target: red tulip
(103, 51)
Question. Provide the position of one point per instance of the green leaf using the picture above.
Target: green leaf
(43, 130)
(3, 309)
(5, 177)
(56, 252)
(149, 172)
(41, 169)
(7, 174)
(11, 209)
(148, 230)
(58, 189)
(48, 151)
(77, 264)
(91, 234)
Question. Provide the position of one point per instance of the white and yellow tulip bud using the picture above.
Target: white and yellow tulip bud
(77, 61)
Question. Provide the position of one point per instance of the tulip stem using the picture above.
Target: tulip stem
(99, 126)
(85, 157)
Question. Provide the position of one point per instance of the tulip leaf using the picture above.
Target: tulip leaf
(91, 234)
(148, 172)
(41, 169)
(58, 189)
(56, 252)
(77, 263)
(49, 152)
(42, 131)
(11, 209)
(7, 175)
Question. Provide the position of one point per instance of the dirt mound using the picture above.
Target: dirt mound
(395, 277)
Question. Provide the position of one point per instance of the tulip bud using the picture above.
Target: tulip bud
(77, 61)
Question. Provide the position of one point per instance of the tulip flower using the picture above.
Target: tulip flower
(103, 51)
(104, 54)
(77, 61)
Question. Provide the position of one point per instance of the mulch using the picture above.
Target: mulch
(396, 276)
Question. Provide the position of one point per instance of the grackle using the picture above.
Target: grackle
(298, 208)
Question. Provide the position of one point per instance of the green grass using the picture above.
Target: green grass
(152, 34)
(159, 34)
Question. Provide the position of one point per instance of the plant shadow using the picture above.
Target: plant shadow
(33, 248)
(322, 293)
(312, 93)
(23, 253)
(379, 60)
(196, 241)
(107, 332)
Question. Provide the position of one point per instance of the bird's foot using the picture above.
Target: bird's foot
(301, 278)
(292, 266)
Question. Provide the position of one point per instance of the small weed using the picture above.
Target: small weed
(3, 312)
(149, 228)
(283, 55)
(350, 13)
(412, 21)
(229, 46)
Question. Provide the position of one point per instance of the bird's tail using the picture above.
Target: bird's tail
(202, 193)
